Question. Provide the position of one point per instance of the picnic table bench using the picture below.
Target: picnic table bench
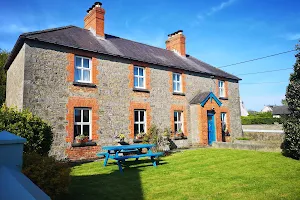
(128, 151)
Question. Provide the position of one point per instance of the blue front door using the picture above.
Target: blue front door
(211, 128)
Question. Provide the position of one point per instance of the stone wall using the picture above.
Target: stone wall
(15, 81)
(48, 87)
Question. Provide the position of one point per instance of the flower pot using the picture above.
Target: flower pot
(227, 138)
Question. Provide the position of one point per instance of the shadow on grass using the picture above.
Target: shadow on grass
(115, 185)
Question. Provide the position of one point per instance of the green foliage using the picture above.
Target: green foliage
(25, 124)
(52, 176)
(243, 138)
(291, 126)
(259, 120)
(3, 57)
(283, 102)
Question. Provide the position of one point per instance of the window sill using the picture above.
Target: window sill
(84, 144)
(140, 90)
(179, 93)
(91, 85)
(137, 140)
(180, 138)
(223, 98)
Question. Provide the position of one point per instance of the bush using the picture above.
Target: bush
(291, 126)
(52, 176)
(259, 120)
(25, 124)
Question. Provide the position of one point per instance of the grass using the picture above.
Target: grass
(192, 174)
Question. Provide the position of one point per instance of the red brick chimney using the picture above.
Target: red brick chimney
(176, 42)
(94, 20)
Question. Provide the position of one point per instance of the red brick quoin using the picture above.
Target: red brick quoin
(88, 152)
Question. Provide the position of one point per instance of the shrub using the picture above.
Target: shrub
(291, 126)
(52, 176)
(259, 120)
(25, 124)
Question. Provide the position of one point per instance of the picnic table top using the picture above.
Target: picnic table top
(124, 147)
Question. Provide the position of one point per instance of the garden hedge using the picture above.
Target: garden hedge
(23, 123)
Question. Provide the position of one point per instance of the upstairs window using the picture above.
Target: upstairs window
(177, 82)
(82, 122)
(178, 125)
(139, 121)
(139, 77)
(83, 69)
(222, 88)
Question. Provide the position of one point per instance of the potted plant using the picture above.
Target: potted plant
(166, 134)
(179, 134)
(122, 137)
(227, 135)
(140, 135)
(81, 139)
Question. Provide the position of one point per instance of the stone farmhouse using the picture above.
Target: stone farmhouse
(83, 81)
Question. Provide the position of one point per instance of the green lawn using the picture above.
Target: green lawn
(192, 174)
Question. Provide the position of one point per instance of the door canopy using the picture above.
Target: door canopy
(203, 97)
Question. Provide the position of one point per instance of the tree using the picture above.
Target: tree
(291, 125)
(3, 58)
(283, 102)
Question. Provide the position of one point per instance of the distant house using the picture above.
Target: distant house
(278, 111)
(244, 111)
(267, 108)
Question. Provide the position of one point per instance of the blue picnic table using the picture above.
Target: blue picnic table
(135, 151)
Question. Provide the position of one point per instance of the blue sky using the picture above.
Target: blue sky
(219, 32)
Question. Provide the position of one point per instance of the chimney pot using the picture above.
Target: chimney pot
(176, 42)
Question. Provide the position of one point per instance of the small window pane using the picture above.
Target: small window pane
(142, 127)
(174, 87)
(136, 129)
(175, 116)
(77, 74)
(86, 63)
(179, 116)
(86, 116)
(86, 75)
(136, 116)
(141, 71)
(136, 82)
(136, 71)
(77, 130)
(142, 113)
(78, 62)
(178, 87)
(176, 128)
(141, 82)
(77, 115)
(86, 130)
(179, 127)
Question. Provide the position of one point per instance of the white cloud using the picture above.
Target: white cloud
(220, 7)
(292, 36)
(213, 10)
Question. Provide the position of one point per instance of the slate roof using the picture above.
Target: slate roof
(199, 98)
(281, 110)
(79, 38)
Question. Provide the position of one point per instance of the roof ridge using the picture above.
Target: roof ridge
(139, 42)
(46, 30)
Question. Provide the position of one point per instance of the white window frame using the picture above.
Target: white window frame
(224, 117)
(81, 68)
(81, 123)
(178, 122)
(221, 88)
(139, 122)
(175, 82)
(138, 76)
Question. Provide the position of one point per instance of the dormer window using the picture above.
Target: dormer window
(83, 69)
(139, 77)
(177, 82)
(221, 88)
